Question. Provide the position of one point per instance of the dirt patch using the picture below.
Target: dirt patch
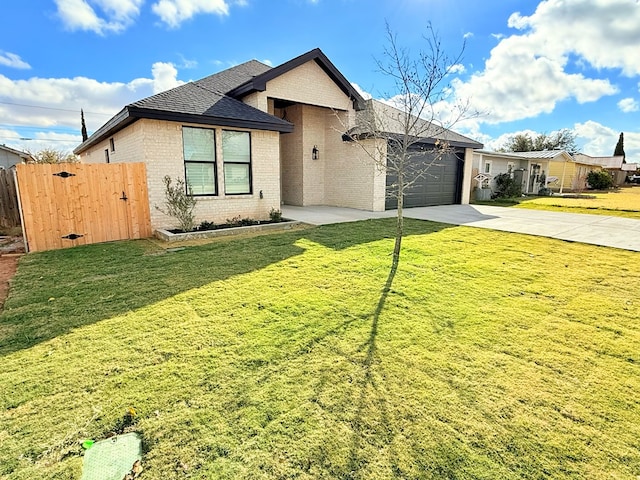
(11, 249)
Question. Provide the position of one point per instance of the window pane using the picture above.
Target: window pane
(236, 147)
(201, 178)
(198, 144)
(236, 178)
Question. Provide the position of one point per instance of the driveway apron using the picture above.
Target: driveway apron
(600, 230)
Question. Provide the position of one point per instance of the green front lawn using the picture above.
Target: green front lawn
(623, 202)
(493, 355)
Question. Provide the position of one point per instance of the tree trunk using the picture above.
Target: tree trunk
(399, 224)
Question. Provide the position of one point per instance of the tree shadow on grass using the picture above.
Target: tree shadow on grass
(58, 291)
(367, 385)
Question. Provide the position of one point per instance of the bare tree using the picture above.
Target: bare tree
(52, 155)
(397, 137)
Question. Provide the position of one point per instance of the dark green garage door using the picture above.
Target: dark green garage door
(442, 185)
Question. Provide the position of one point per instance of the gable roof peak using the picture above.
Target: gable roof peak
(259, 82)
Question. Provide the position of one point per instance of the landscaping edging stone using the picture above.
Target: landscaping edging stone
(167, 236)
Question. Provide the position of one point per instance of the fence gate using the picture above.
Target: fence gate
(9, 213)
(70, 204)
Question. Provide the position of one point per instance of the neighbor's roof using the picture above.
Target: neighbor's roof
(216, 99)
(380, 118)
(560, 155)
(24, 155)
(605, 162)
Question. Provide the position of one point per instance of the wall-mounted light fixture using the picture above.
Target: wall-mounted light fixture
(315, 153)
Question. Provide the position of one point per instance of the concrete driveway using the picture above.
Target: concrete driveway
(601, 230)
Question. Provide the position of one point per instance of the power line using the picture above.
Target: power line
(26, 127)
(24, 139)
(51, 108)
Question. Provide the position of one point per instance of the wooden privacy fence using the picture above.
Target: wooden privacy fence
(9, 212)
(70, 204)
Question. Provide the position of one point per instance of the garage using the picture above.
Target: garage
(441, 185)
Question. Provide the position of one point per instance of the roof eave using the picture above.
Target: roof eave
(121, 120)
(279, 126)
(347, 137)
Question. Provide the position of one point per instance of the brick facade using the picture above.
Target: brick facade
(283, 170)
(159, 145)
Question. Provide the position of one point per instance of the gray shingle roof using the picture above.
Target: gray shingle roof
(203, 101)
(384, 119)
(227, 80)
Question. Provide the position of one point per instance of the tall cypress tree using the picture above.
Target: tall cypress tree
(84, 127)
(620, 149)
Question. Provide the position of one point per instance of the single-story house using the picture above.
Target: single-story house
(532, 170)
(10, 157)
(612, 164)
(251, 138)
(572, 174)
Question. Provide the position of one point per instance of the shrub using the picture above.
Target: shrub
(241, 222)
(506, 187)
(205, 225)
(275, 215)
(179, 203)
(600, 180)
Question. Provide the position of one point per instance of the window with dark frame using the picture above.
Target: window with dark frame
(112, 145)
(106, 155)
(199, 150)
(236, 155)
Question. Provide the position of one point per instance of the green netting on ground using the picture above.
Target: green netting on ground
(113, 458)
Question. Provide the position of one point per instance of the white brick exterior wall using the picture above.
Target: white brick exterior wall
(161, 150)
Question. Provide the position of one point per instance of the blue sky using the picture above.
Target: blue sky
(529, 66)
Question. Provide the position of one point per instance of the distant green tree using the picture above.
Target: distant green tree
(620, 149)
(563, 139)
(84, 126)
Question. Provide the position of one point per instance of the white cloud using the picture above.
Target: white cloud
(628, 105)
(174, 12)
(601, 140)
(457, 68)
(99, 16)
(57, 101)
(164, 77)
(12, 60)
(365, 95)
(528, 73)
(603, 32)
(598, 139)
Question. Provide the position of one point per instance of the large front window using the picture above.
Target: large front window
(199, 148)
(236, 152)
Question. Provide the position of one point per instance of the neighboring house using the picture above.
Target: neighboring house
(613, 165)
(631, 172)
(532, 170)
(10, 157)
(572, 174)
(251, 138)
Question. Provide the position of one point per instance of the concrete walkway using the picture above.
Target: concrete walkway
(601, 230)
